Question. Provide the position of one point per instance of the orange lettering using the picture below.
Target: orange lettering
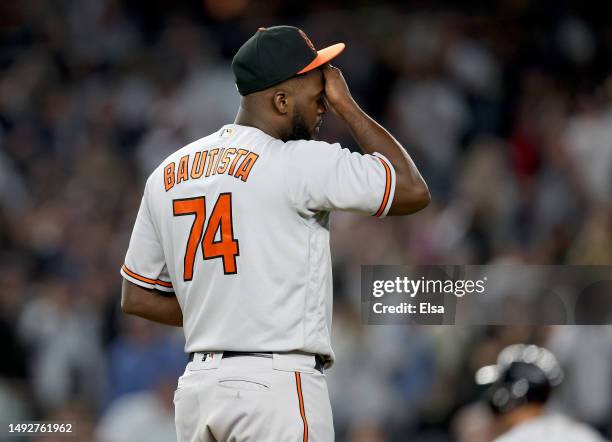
(183, 174)
(246, 166)
(169, 176)
(197, 169)
(211, 156)
(225, 160)
(217, 162)
(241, 153)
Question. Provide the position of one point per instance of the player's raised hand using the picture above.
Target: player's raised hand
(337, 95)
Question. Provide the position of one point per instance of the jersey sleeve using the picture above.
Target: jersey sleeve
(323, 176)
(145, 264)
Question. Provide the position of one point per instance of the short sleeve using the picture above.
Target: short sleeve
(324, 176)
(145, 264)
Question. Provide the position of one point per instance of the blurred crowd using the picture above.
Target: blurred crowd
(506, 109)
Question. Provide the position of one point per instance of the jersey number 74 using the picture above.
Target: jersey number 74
(220, 219)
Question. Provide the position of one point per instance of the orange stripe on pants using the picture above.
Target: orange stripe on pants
(298, 383)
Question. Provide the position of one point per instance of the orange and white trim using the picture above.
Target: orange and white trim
(389, 191)
(145, 282)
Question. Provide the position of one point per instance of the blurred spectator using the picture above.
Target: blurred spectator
(473, 423)
(78, 415)
(589, 137)
(144, 416)
(586, 354)
(139, 355)
(61, 335)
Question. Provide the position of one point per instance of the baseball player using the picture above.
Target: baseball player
(518, 388)
(235, 228)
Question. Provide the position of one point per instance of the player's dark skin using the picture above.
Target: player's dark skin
(150, 304)
(294, 110)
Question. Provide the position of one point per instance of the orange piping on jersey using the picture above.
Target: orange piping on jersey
(241, 153)
(199, 160)
(169, 176)
(246, 166)
(147, 280)
(387, 188)
(211, 157)
(183, 169)
(298, 383)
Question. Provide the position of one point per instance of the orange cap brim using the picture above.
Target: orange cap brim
(323, 56)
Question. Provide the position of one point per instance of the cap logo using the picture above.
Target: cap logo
(308, 42)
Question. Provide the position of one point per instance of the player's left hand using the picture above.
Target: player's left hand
(337, 95)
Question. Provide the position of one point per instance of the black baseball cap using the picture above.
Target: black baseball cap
(523, 374)
(276, 54)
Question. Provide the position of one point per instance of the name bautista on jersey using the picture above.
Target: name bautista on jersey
(231, 161)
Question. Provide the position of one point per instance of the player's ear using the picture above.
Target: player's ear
(281, 102)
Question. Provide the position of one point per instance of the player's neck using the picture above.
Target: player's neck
(245, 118)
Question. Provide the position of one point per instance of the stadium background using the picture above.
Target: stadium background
(505, 106)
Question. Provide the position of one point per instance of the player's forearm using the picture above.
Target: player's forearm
(411, 193)
(151, 305)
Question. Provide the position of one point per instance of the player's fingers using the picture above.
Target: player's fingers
(328, 70)
(335, 70)
(332, 73)
(328, 105)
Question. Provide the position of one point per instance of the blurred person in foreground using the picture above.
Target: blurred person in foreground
(519, 386)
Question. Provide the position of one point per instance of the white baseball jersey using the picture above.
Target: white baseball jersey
(237, 225)
(554, 427)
